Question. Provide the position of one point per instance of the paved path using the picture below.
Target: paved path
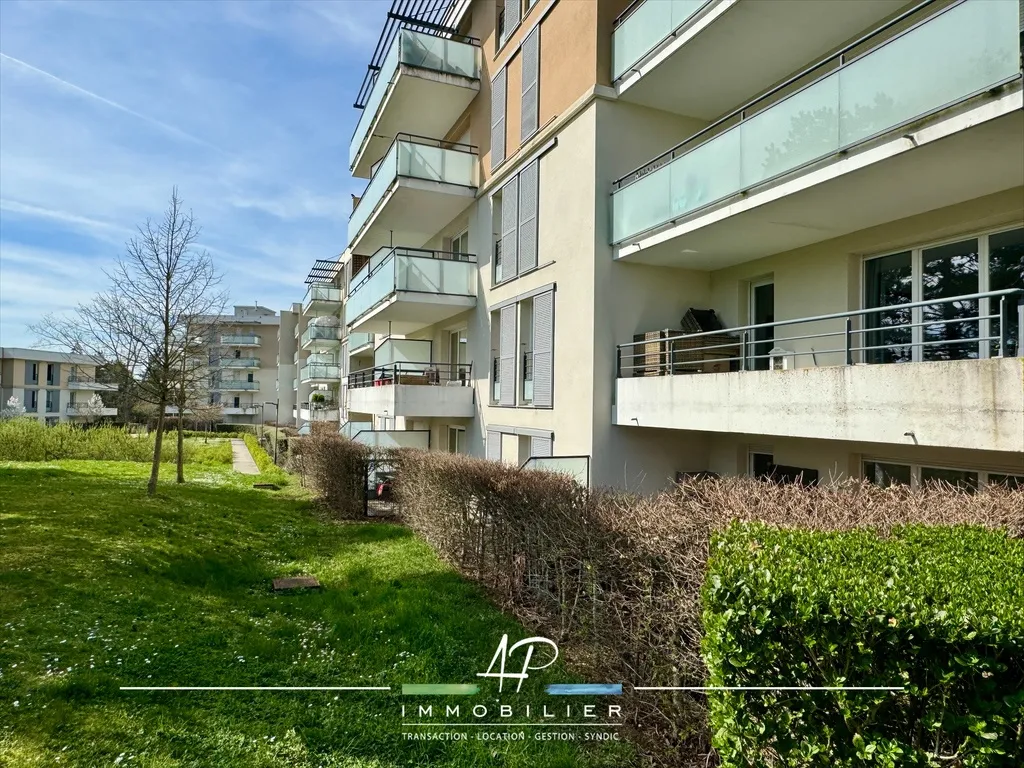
(241, 459)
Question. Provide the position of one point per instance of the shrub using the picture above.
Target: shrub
(334, 467)
(264, 462)
(235, 430)
(933, 609)
(27, 439)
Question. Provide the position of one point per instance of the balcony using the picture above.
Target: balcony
(360, 343)
(236, 385)
(944, 373)
(239, 340)
(352, 428)
(238, 362)
(247, 410)
(321, 336)
(394, 438)
(420, 185)
(321, 299)
(402, 290)
(928, 117)
(319, 372)
(663, 50)
(81, 382)
(413, 389)
(424, 84)
(84, 409)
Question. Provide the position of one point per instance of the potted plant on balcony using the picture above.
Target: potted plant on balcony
(317, 401)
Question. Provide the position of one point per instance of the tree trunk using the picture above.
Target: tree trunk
(158, 445)
(181, 445)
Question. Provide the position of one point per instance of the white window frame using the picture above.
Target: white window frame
(460, 439)
(917, 286)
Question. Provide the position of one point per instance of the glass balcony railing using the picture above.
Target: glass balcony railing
(352, 428)
(418, 158)
(319, 371)
(239, 340)
(961, 51)
(410, 269)
(644, 26)
(240, 362)
(357, 340)
(322, 293)
(321, 333)
(415, 49)
(237, 384)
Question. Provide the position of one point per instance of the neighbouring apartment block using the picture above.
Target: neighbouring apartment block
(54, 386)
(244, 366)
(782, 238)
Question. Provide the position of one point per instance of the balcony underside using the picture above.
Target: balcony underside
(961, 157)
(749, 46)
(411, 213)
(321, 307)
(970, 404)
(417, 401)
(422, 102)
(406, 312)
(95, 386)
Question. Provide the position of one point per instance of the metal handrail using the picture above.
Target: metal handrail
(416, 253)
(745, 340)
(671, 154)
(433, 372)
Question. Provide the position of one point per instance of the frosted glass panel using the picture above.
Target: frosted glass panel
(374, 191)
(706, 173)
(370, 292)
(394, 439)
(956, 54)
(645, 28)
(577, 467)
(787, 135)
(961, 51)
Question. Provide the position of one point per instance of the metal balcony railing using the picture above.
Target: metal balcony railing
(958, 52)
(972, 326)
(414, 157)
(434, 373)
(450, 55)
(415, 270)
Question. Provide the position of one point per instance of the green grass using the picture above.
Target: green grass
(101, 587)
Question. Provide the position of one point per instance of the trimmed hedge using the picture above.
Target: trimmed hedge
(938, 610)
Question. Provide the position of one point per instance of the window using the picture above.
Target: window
(456, 439)
(238, 354)
(460, 243)
(526, 352)
(947, 329)
(515, 210)
(458, 355)
(31, 400)
(249, 377)
(51, 373)
(759, 464)
(32, 373)
(236, 402)
(886, 474)
(522, 351)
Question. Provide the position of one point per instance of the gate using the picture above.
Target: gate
(378, 477)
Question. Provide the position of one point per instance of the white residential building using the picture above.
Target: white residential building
(835, 189)
(53, 386)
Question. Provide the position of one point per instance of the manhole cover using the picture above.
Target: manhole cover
(295, 582)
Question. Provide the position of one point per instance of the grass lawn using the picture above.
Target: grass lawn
(101, 587)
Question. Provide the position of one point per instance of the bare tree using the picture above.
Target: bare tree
(144, 325)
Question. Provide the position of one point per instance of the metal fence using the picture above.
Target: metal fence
(429, 373)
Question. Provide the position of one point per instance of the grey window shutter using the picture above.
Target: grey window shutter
(529, 187)
(507, 355)
(543, 349)
(493, 445)
(511, 17)
(509, 229)
(498, 119)
(540, 446)
(531, 85)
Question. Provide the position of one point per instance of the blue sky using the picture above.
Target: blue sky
(104, 106)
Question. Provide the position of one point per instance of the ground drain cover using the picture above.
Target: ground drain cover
(268, 486)
(292, 583)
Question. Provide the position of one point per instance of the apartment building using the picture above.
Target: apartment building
(53, 386)
(772, 237)
(319, 330)
(244, 365)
